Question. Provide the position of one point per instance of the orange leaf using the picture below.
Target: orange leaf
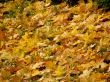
(38, 58)
(49, 64)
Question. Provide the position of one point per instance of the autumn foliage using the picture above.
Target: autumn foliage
(68, 41)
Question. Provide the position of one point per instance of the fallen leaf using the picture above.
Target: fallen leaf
(2, 35)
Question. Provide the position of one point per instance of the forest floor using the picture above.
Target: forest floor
(40, 42)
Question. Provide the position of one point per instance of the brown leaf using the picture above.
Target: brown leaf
(104, 20)
(2, 35)
(16, 79)
(97, 37)
(1, 17)
(107, 58)
(108, 30)
(13, 69)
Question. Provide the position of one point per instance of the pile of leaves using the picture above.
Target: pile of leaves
(40, 42)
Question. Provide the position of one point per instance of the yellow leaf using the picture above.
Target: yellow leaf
(59, 71)
(35, 72)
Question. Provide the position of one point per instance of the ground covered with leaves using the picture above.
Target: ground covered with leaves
(40, 42)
